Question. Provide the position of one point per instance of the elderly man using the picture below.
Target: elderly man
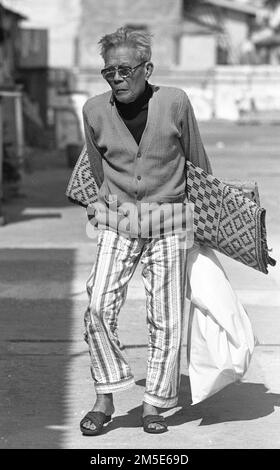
(138, 137)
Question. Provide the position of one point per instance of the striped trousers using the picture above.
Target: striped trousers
(163, 274)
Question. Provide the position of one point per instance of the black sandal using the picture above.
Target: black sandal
(154, 419)
(98, 419)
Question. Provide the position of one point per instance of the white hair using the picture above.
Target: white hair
(140, 40)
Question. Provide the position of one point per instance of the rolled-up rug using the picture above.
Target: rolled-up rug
(228, 220)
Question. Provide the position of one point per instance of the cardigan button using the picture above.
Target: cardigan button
(139, 177)
(138, 154)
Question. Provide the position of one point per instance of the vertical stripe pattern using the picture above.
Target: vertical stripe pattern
(163, 275)
(164, 281)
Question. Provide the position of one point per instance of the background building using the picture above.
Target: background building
(223, 53)
(62, 20)
(218, 29)
(189, 34)
(11, 132)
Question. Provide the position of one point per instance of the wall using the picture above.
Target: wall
(60, 17)
(35, 84)
(237, 26)
(32, 71)
(9, 48)
(91, 19)
(33, 52)
(162, 17)
(243, 89)
(197, 52)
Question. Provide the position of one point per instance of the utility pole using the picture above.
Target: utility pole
(1, 163)
(17, 97)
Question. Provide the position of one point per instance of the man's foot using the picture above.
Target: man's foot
(152, 421)
(100, 414)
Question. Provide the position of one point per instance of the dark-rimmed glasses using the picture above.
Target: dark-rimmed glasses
(124, 71)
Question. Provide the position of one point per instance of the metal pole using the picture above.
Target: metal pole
(19, 127)
(1, 163)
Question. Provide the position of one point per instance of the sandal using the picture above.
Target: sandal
(98, 419)
(157, 419)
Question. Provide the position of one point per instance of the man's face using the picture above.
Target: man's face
(126, 90)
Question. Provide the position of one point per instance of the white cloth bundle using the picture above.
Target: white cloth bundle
(220, 335)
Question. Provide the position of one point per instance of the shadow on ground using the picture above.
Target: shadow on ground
(35, 340)
(236, 402)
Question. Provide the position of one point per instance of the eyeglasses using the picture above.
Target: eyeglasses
(125, 71)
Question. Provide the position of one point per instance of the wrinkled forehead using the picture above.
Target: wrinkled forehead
(121, 55)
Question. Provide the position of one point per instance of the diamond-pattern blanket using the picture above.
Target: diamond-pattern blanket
(228, 220)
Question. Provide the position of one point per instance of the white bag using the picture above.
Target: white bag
(220, 335)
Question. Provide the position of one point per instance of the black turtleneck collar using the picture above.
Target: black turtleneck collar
(131, 110)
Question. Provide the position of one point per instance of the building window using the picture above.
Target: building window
(222, 55)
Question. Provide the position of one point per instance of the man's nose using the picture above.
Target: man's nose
(117, 77)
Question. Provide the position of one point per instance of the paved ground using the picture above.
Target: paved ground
(45, 258)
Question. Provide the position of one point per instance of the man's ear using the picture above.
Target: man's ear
(149, 69)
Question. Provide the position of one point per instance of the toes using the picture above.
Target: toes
(89, 425)
(155, 426)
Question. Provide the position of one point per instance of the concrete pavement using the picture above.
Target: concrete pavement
(45, 259)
